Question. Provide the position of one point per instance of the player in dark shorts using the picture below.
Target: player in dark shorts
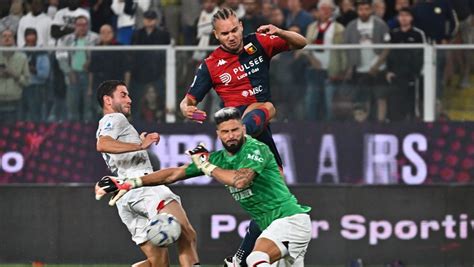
(239, 72)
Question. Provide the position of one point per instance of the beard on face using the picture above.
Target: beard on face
(119, 108)
(235, 147)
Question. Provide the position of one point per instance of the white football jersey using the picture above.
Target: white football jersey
(123, 165)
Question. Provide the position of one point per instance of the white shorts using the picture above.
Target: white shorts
(139, 205)
(292, 235)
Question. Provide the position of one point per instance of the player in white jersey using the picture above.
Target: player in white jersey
(124, 151)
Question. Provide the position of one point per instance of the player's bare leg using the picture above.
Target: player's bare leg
(264, 253)
(156, 256)
(187, 248)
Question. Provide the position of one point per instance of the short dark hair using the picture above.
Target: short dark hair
(363, 2)
(107, 88)
(226, 114)
(406, 10)
(29, 31)
(222, 14)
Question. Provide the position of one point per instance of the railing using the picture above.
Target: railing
(429, 112)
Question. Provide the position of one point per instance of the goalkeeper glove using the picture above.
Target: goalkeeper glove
(117, 187)
(200, 157)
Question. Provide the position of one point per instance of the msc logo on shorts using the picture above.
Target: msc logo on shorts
(254, 157)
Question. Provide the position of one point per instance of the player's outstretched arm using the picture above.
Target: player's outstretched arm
(294, 39)
(164, 176)
(107, 144)
(119, 187)
(190, 111)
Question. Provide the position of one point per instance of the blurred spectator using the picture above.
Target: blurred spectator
(190, 11)
(236, 6)
(313, 10)
(74, 65)
(278, 18)
(38, 20)
(65, 18)
(252, 19)
(171, 17)
(14, 76)
(287, 84)
(52, 8)
(360, 113)
(205, 34)
(13, 19)
(464, 10)
(297, 16)
(34, 95)
(401, 75)
(101, 13)
(152, 109)
(437, 20)
(366, 65)
(107, 65)
(126, 19)
(347, 13)
(399, 4)
(379, 8)
(4, 8)
(267, 10)
(327, 67)
(148, 67)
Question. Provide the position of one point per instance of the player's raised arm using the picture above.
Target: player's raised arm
(294, 39)
(107, 144)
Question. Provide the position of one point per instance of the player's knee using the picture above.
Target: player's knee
(258, 259)
(255, 121)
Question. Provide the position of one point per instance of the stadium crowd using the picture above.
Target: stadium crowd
(313, 84)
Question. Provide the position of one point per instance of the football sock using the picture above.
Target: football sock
(253, 232)
(258, 259)
(255, 121)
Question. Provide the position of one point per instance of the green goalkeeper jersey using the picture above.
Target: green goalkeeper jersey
(267, 198)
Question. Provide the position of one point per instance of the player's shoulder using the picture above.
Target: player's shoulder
(113, 118)
(253, 144)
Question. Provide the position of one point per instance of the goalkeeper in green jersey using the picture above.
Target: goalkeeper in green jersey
(248, 169)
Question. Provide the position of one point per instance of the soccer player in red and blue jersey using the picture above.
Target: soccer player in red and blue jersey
(239, 72)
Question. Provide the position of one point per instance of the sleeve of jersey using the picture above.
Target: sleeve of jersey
(257, 159)
(272, 44)
(113, 126)
(202, 83)
(193, 171)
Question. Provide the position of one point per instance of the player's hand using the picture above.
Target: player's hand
(195, 114)
(148, 139)
(269, 29)
(116, 187)
(200, 157)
